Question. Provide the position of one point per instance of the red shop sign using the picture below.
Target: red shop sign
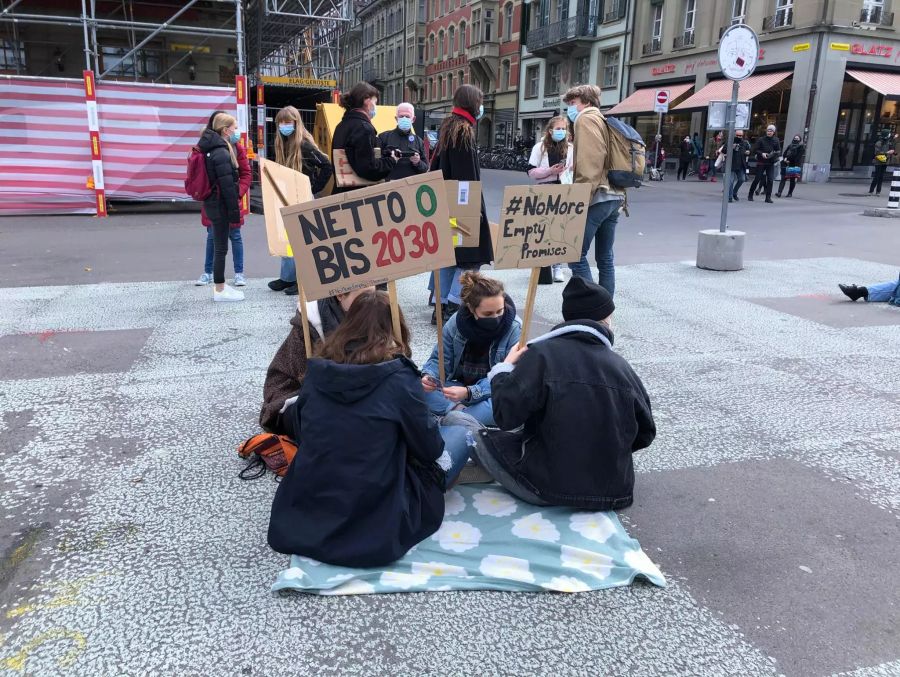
(662, 70)
(872, 50)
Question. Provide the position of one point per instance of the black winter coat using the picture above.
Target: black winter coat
(584, 410)
(223, 202)
(316, 166)
(364, 486)
(741, 159)
(356, 135)
(766, 144)
(401, 140)
(461, 164)
(794, 155)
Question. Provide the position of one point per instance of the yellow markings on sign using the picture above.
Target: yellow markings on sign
(801, 47)
(18, 660)
(840, 46)
(197, 49)
(298, 82)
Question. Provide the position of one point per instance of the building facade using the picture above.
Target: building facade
(828, 71)
(567, 43)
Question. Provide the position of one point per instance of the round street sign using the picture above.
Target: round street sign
(662, 96)
(738, 52)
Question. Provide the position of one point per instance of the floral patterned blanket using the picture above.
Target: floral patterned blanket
(491, 541)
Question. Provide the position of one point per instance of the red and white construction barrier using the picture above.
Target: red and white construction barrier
(93, 118)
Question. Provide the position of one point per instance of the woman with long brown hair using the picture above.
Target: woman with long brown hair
(367, 482)
(456, 156)
(296, 149)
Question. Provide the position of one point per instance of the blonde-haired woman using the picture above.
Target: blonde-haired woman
(296, 149)
(551, 162)
(223, 204)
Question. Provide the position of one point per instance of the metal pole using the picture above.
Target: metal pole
(10, 8)
(239, 30)
(94, 36)
(656, 142)
(152, 35)
(731, 116)
(87, 42)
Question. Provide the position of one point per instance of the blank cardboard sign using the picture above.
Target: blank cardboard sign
(464, 203)
(541, 225)
(281, 186)
(371, 235)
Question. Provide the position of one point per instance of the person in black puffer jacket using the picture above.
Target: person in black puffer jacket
(356, 136)
(767, 151)
(794, 156)
(223, 204)
(583, 409)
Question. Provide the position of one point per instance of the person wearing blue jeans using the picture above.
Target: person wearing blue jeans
(590, 164)
(237, 253)
(883, 292)
(449, 278)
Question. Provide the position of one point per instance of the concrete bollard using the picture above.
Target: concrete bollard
(720, 251)
(894, 195)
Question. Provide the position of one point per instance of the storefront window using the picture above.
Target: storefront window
(675, 127)
(862, 115)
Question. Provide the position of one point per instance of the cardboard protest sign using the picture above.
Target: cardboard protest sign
(280, 186)
(541, 225)
(344, 176)
(371, 235)
(464, 203)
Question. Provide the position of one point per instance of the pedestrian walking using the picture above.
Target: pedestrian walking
(792, 165)
(685, 151)
(404, 140)
(456, 157)
(245, 177)
(884, 155)
(296, 149)
(696, 152)
(741, 150)
(549, 163)
(767, 151)
(589, 161)
(223, 206)
(712, 151)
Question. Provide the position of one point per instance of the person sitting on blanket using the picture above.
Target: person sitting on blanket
(289, 364)
(477, 337)
(368, 480)
(583, 408)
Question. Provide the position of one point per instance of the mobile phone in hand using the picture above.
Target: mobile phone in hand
(434, 381)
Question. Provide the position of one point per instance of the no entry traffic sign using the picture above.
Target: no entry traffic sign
(661, 102)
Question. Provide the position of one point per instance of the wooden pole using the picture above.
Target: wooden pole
(395, 310)
(529, 305)
(304, 315)
(439, 315)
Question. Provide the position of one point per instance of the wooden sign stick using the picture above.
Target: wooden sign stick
(439, 315)
(529, 305)
(395, 310)
(304, 316)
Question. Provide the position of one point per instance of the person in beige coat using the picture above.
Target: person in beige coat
(590, 167)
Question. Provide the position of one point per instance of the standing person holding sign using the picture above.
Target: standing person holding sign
(295, 148)
(404, 140)
(550, 159)
(356, 136)
(591, 134)
(476, 338)
(456, 156)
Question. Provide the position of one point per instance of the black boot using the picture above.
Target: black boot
(292, 290)
(279, 285)
(854, 293)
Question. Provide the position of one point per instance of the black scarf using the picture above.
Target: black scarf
(331, 313)
(468, 327)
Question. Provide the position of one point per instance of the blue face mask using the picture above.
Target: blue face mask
(234, 138)
(286, 130)
(372, 112)
(572, 112)
(480, 112)
(559, 134)
(405, 124)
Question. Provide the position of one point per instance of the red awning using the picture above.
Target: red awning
(644, 100)
(883, 83)
(720, 90)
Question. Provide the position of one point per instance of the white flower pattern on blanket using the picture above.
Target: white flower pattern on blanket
(491, 541)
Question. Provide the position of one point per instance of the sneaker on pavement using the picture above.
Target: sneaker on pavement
(558, 275)
(240, 280)
(228, 294)
(205, 279)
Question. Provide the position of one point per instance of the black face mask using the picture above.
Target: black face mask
(489, 324)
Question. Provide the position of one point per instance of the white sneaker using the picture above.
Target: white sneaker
(239, 280)
(205, 279)
(228, 294)
(558, 275)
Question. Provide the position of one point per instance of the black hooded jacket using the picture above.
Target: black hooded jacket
(358, 138)
(223, 202)
(364, 486)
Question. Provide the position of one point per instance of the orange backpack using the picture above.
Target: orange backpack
(267, 451)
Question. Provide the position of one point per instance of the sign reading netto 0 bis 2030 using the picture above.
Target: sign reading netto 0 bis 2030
(370, 235)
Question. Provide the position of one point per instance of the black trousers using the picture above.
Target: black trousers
(220, 248)
(765, 177)
(683, 166)
(784, 178)
(877, 178)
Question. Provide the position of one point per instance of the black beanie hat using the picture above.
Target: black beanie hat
(585, 300)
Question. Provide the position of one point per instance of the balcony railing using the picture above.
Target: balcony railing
(684, 40)
(652, 47)
(617, 11)
(876, 16)
(781, 19)
(570, 30)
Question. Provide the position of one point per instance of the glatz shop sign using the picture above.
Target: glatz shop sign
(873, 50)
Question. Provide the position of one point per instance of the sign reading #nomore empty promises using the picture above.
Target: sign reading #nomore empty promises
(541, 225)
(370, 235)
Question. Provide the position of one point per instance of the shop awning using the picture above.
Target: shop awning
(644, 100)
(883, 83)
(720, 90)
